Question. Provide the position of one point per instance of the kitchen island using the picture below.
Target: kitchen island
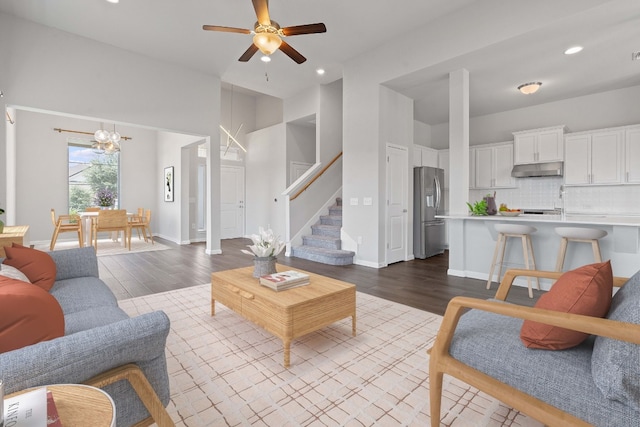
(472, 240)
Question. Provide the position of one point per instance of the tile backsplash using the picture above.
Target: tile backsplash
(544, 193)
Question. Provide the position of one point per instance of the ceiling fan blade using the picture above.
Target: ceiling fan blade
(262, 11)
(292, 53)
(226, 29)
(304, 29)
(248, 53)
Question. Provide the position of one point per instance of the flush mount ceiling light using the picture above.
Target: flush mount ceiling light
(529, 88)
(572, 50)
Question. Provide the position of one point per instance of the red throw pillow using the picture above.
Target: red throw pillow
(38, 266)
(586, 290)
(29, 315)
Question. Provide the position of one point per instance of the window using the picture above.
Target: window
(89, 172)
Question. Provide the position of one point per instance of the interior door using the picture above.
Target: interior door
(397, 206)
(231, 202)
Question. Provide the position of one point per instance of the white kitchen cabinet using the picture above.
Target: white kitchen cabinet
(632, 156)
(425, 156)
(593, 158)
(539, 145)
(493, 165)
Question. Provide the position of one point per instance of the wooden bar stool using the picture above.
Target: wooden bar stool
(522, 232)
(578, 234)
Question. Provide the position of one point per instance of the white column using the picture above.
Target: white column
(458, 163)
(10, 208)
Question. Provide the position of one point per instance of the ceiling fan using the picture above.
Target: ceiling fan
(268, 34)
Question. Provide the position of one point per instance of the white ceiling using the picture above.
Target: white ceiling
(171, 30)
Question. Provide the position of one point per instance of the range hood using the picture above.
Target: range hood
(538, 169)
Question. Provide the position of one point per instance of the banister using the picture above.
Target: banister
(318, 175)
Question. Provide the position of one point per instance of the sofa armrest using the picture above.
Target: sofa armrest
(76, 262)
(510, 275)
(623, 331)
(78, 357)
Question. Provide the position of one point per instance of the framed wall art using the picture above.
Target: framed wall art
(168, 184)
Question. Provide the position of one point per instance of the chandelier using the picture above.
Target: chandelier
(106, 142)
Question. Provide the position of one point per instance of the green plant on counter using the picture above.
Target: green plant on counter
(478, 208)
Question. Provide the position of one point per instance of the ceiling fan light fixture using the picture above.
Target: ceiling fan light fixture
(267, 42)
(265, 58)
(529, 88)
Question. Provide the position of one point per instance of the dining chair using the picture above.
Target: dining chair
(92, 209)
(143, 223)
(111, 220)
(135, 221)
(63, 224)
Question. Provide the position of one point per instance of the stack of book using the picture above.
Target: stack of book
(285, 280)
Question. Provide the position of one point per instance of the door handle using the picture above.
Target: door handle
(404, 211)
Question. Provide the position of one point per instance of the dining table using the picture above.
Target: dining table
(86, 218)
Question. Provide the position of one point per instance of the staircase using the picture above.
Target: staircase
(324, 244)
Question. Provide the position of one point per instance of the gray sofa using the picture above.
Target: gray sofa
(102, 346)
(596, 383)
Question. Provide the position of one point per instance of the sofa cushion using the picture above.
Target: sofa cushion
(586, 290)
(12, 273)
(38, 266)
(82, 293)
(491, 344)
(92, 318)
(615, 365)
(29, 315)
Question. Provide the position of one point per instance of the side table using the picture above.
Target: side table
(81, 405)
(12, 234)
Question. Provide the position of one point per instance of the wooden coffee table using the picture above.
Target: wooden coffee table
(286, 314)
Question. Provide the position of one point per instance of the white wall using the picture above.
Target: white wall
(43, 179)
(46, 69)
(301, 145)
(363, 75)
(422, 133)
(269, 111)
(329, 121)
(266, 179)
(175, 215)
(601, 110)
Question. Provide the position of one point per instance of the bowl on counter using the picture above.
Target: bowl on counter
(509, 213)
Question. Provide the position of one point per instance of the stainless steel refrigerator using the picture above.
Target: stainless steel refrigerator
(428, 231)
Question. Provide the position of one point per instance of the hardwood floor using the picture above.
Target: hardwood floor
(423, 284)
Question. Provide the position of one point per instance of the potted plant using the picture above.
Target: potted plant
(266, 247)
(1, 223)
(105, 198)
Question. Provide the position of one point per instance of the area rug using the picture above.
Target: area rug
(108, 247)
(224, 371)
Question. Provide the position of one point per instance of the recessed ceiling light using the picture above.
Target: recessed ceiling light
(320, 71)
(113, 1)
(572, 50)
(265, 58)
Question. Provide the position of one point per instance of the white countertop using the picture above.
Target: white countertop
(631, 221)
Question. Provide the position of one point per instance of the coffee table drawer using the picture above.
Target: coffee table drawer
(228, 295)
(272, 318)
